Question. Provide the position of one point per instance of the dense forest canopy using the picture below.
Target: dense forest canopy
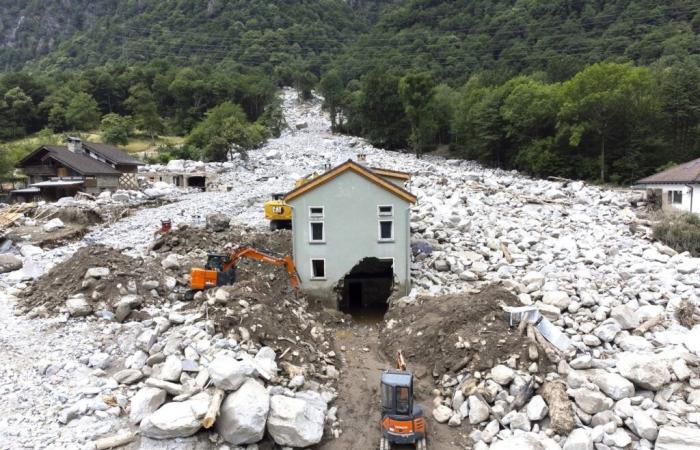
(606, 90)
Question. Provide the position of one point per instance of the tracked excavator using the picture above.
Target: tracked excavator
(402, 420)
(220, 269)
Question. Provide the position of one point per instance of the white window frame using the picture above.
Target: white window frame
(311, 232)
(673, 197)
(311, 266)
(379, 230)
(313, 215)
(385, 214)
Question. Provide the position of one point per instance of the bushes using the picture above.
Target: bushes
(680, 232)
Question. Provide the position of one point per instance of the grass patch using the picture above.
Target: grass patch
(681, 232)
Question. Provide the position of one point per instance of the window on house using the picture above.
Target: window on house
(318, 268)
(386, 230)
(316, 232)
(316, 212)
(385, 211)
(677, 197)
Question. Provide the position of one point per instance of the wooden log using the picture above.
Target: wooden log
(114, 441)
(506, 253)
(648, 324)
(214, 407)
(561, 411)
(551, 352)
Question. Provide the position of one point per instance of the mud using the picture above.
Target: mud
(68, 278)
(430, 330)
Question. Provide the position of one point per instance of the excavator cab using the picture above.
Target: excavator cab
(402, 420)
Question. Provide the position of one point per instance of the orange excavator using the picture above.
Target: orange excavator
(402, 420)
(220, 269)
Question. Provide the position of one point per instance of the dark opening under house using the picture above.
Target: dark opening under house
(366, 288)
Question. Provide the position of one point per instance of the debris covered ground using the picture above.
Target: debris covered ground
(91, 354)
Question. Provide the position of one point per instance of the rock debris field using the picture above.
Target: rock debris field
(99, 347)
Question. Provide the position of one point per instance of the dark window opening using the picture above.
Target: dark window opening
(386, 229)
(366, 290)
(386, 210)
(317, 232)
(197, 182)
(318, 268)
(316, 211)
(402, 400)
(677, 197)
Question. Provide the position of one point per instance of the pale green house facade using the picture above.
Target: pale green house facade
(351, 235)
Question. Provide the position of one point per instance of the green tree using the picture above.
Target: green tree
(304, 82)
(332, 89)
(224, 131)
(116, 129)
(602, 103)
(16, 112)
(82, 113)
(144, 109)
(382, 117)
(416, 93)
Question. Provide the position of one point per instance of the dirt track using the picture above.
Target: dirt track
(358, 396)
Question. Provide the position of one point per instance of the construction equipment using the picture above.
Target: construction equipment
(402, 420)
(278, 212)
(220, 269)
(166, 225)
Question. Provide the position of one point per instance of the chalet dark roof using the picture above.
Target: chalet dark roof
(82, 164)
(683, 173)
(112, 154)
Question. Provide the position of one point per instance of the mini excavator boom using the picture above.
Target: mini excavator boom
(220, 269)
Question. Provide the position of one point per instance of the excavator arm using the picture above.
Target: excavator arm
(202, 278)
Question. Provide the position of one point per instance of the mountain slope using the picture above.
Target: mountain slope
(455, 38)
(70, 33)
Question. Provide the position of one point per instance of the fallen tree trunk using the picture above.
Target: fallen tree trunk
(551, 352)
(214, 407)
(114, 441)
(561, 411)
(647, 325)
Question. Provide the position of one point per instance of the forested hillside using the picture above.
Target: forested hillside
(272, 34)
(606, 90)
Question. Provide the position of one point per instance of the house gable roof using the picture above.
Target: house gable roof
(112, 154)
(391, 173)
(82, 164)
(683, 173)
(352, 166)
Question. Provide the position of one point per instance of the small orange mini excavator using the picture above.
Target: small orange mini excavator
(402, 421)
(220, 269)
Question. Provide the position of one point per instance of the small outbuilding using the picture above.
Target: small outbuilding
(678, 187)
(351, 236)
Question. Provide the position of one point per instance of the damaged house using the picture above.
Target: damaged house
(351, 236)
(678, 187)
(58, 171)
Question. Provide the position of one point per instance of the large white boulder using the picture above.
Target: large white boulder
(556, 298)
(77, 306)
(228, 373)
(244, 413)
(579, 439)
(176, 419)
(614, 385)
(295, 422)
(9, 263)
(53, 225)
(678, 438)
(592, 402)
(645, 371)
(146, 402)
